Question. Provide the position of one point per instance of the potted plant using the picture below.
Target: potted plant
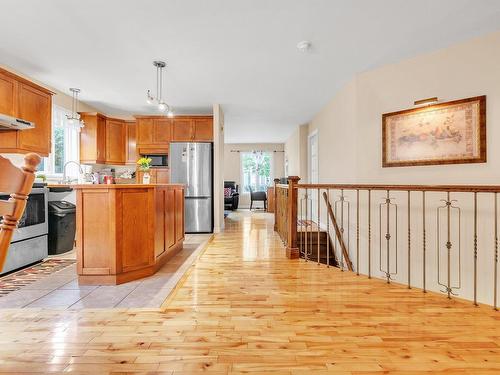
(145, 165)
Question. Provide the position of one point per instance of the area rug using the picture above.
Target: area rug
(17, 280)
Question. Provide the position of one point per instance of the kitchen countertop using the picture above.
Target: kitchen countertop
(110, 186)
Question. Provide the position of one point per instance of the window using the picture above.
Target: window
(65, 145)
(257, 170)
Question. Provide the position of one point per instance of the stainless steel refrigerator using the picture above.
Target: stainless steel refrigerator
(191, 165)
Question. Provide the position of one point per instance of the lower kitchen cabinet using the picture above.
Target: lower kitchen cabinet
(157, 176)
(126, 232)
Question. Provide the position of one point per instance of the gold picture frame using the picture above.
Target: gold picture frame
(446, 133)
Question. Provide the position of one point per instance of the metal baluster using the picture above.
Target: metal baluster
(318, 228)
(327, 230)
(448, 245)
(357, 232)
(306, 225)
(475, 248)
(388, 237)
(495, 277)
(301, 200)
(423, 240)
(341, 227)
(369, 234)
(409, 240)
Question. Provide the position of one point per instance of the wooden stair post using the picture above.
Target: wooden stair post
(276, 182)
(338, 233)
(292, 251)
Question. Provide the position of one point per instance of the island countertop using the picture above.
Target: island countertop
(126, 232)
(113, 186)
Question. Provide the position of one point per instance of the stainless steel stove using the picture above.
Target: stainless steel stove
(29, 243)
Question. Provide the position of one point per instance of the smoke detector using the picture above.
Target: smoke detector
(304, 46)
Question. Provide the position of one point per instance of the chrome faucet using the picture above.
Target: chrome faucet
(65, 179)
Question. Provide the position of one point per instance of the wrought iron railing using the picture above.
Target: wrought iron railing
(434, 237)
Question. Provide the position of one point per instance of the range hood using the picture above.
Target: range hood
(13, 123)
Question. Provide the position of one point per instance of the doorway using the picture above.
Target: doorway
(313, 170)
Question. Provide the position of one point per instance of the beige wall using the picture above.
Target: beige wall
(232, 163)
(218, 168)
(296, 153)
(350, 140)
(350, 125)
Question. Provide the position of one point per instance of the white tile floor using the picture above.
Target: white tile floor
(61, 290)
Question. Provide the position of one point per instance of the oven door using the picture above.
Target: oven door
(34, 221)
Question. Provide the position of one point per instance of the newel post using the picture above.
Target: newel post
(276, 182)
(292, 251)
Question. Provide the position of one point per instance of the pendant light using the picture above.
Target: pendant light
(74, 118)
(162, 106)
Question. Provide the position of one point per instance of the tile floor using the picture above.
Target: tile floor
(60, 290)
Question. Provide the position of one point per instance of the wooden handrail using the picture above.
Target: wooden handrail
(430, 188)
(338, 233)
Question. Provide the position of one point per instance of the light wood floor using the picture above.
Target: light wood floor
(244, 308)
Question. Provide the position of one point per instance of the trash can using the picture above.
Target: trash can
(62, 226)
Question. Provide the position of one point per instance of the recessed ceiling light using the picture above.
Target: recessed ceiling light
(304, 46)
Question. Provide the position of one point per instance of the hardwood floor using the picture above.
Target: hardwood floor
(245, 308)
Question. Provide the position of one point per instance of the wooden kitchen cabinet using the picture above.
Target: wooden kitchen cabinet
(131, 147)
(153, 134)
(162, 175)
(126, 232)
(157, 176)
(193, 129)
(93, 138)
(8, 95)
(203, 129)
(25, 100)
(183, 130)
(115, 141)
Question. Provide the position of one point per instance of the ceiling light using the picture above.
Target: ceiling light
(150, 99)
(162, 107)
(75, 116)
(304, 46)
(427, 101)
(170, 113)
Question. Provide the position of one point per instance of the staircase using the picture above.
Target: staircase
(312, 245)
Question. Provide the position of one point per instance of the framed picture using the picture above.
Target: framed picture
(445, 133)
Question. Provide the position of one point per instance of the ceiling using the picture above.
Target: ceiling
(238, 53)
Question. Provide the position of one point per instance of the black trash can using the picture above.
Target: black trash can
(62, 226)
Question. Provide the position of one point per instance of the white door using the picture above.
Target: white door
(313, 166)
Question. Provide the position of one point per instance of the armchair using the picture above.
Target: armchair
(231, 195)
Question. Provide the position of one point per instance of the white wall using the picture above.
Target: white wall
(232, 163)
(350, 151)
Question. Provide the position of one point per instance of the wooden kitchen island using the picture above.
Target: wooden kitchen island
(126, 232)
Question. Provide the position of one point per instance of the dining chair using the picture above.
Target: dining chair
(258, 196)
(16, 182)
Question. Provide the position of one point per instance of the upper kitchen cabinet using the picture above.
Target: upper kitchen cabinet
(25, 100)
(154, 134)
(131, 149)
(203, 129)
(193, 129)
(106, 140)
(115, 141)
(93, 139)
